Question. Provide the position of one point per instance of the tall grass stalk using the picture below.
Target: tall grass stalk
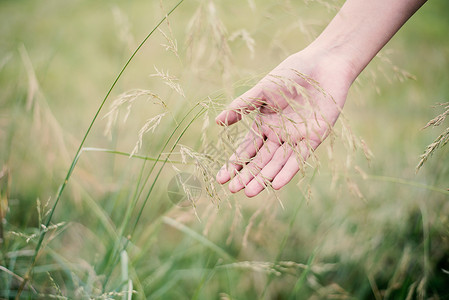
(28, 274)
(202, 111)
(140, 188)
(302, 279)
(127, 154)
(112, 262)
(440, 141)
(200, 238)
(415, 184)
(288, 232)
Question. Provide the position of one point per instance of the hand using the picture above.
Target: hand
(300, 100)
(295, 105)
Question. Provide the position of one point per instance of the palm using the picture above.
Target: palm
(294, 114)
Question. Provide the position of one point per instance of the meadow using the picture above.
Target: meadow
(91, 140)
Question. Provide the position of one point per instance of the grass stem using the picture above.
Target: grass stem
(78, 152)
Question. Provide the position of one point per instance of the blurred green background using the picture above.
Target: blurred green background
(349, 228)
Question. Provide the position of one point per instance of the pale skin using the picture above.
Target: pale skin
(300, 100)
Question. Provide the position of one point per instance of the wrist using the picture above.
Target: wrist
(360, 30)
(333, 57)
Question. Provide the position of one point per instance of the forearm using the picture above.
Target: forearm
(362, 28)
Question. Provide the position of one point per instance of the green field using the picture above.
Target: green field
(359, 223)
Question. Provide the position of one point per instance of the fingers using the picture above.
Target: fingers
(245, 151)
(252, 169)
(265, 162)
(269, 172)
(250, 100)
(284, 165)
(292, 166)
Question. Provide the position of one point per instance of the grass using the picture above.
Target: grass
(350, 228)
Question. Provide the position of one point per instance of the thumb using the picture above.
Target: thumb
(250, 100)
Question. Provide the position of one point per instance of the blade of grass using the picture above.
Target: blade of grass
(78, 152)
(207, 275)
(290, 228)
(100, 214)
(409, 183)
(200, 238)
(111, 257)
(111, 151)
(160, 169)
(398, 180)
(301, 280)
(12, 274)
(138, 192)
(114, 258)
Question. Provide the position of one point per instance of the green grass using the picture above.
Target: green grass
(110, 226)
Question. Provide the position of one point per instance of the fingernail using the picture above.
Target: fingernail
(233, 187)
(220, 117)
(223, 175)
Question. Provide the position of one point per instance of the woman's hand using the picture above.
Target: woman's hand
(296, 105)
(300, 100)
